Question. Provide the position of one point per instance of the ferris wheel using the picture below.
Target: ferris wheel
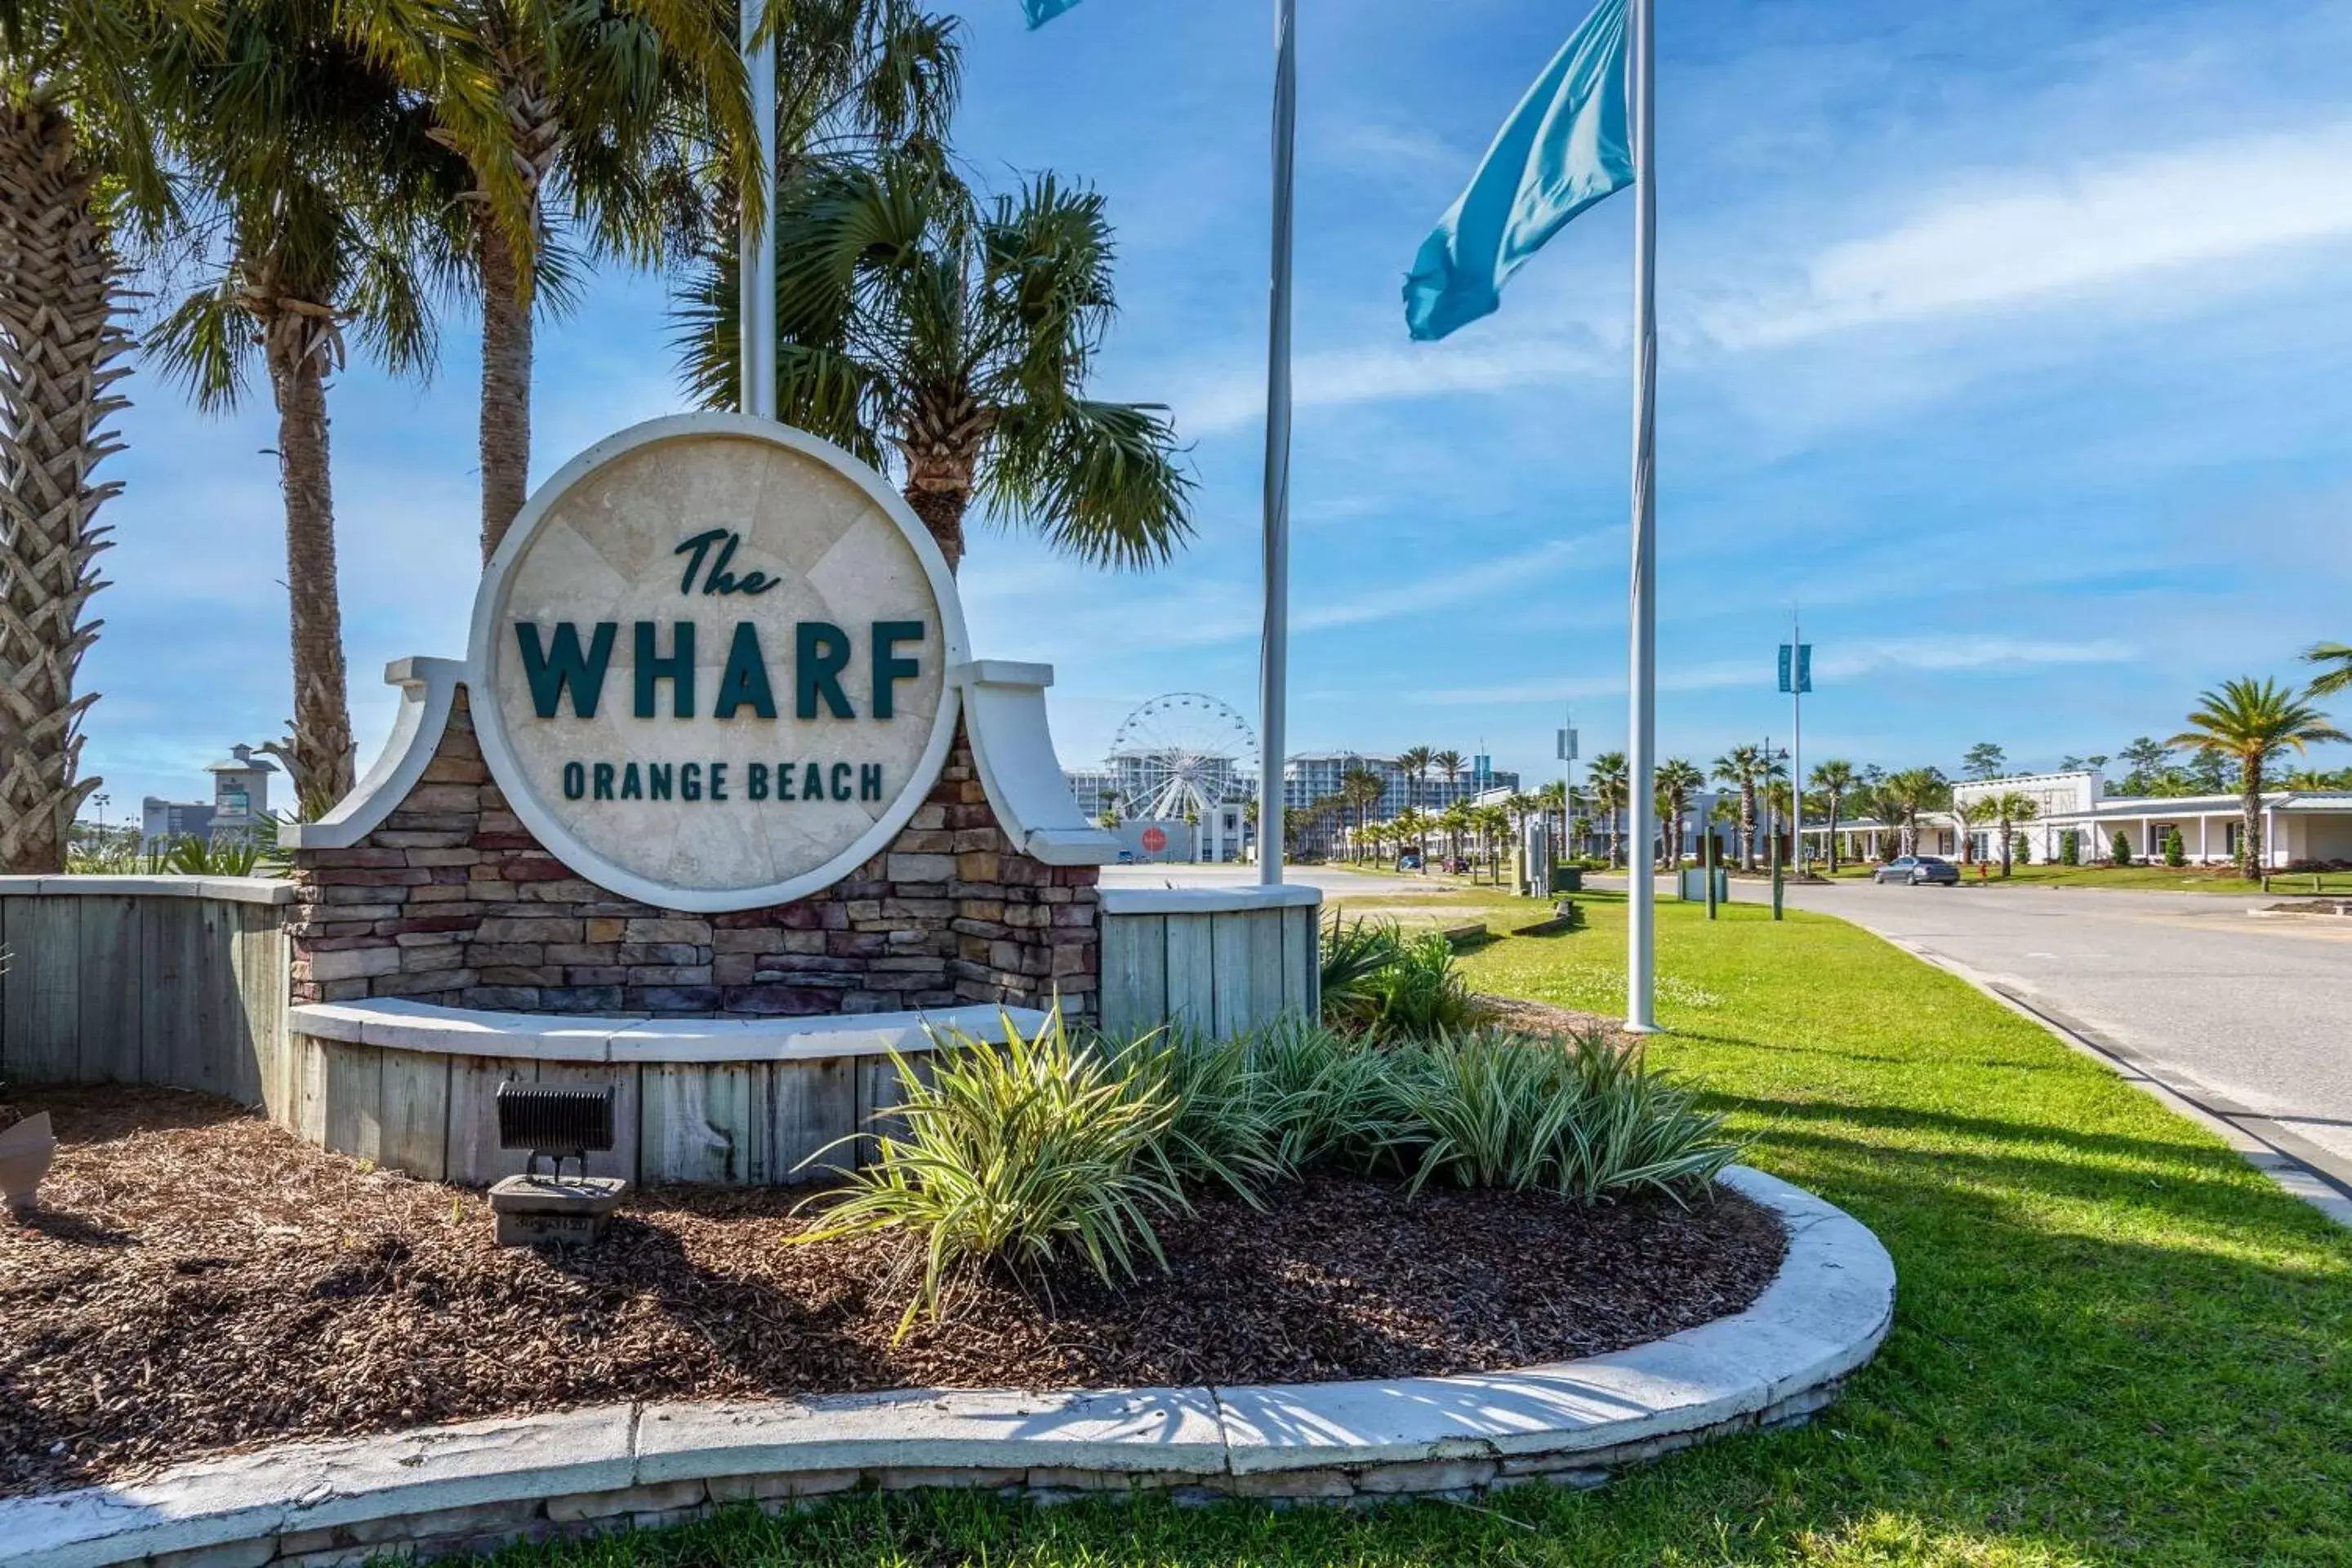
(1180, 754)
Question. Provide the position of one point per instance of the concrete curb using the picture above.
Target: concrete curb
(472, 1486)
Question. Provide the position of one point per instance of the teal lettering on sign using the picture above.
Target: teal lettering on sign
(888, 667)
(678, 668)
(821, 655)
(746, 678)
(718, 580)
(552, 670)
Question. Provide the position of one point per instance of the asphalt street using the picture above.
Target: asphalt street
(2238, 1012)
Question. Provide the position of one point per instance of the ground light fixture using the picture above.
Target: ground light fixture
(554, 1123)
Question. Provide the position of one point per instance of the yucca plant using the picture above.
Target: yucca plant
(1353, 952)
(1491, 1110)
(1578, 1117)
(1022, 1155)
(1327, 1095)
(1226, 1124)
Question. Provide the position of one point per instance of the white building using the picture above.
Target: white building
(2300, 827)
(240, 804)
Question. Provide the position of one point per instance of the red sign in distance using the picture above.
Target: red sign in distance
(1154, 840)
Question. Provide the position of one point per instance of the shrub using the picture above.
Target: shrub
(2021, 848)
(1385, 984)
(2070, 848)
(2121, 848)
(1352, 953)
(1579, 1117)
(1326, 1094)
(1226, 1124)
(1022, 1155)
(2175, 852)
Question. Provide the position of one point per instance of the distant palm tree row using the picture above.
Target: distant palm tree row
(301, 181)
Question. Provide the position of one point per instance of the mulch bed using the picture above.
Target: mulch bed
(198, 1280)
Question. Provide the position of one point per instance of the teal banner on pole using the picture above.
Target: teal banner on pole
(1568, 145)
(1041, 12)
(1797, 667)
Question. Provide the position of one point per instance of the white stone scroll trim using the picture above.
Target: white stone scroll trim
(1012, 746)
(428, 689)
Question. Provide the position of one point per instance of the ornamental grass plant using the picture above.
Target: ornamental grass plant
(1057, 1148)
(1026, 1155)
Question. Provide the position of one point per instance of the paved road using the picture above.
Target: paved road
(2222, 1006)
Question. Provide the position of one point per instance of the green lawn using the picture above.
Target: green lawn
(2116, 1341)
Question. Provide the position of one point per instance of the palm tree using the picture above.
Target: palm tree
(1911, 792)
(1361, 789)
(328, 193)
(961, 337)
(2254, 722)
(2328, 682)
(2010, 807)
(614, 113)
(1413, 761)
(1978, 813)
(1835, 779)
(1743, 765)
(80, 83)
(1455, 821)
(1492, 822)
(1608, 780)
(1553, 798)
(1450, 764)
(1412, 826)
(1677, 779)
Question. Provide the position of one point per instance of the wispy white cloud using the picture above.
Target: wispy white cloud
(1234, 398)
(2017, 236)
(1935, 654)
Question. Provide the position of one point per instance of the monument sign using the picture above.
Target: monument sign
(710, 663)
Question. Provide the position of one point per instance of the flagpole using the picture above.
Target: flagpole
(1641, 932)
(1274, 647)
(755, 254)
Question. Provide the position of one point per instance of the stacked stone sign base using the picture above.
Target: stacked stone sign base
(451, 900)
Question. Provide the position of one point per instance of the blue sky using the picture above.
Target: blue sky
(2006, 335)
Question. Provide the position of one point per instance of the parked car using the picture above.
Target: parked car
(1916, 870)
(1408, 861)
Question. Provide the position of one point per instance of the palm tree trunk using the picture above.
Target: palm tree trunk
(2005, 848)
(942, 512)
(2249, 828)
(507, 354)
(323, 719)
(1748, 826)
(1833, 833)
(59, 285)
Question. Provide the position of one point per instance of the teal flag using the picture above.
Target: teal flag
(1043, 11)
(1568, 145)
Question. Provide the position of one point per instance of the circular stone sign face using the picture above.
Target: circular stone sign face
(709, 666)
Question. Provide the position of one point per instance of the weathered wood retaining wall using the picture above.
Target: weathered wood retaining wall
(177, 981)
(184, 982)
(1221, 961)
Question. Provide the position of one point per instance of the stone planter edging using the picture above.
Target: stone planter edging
(470, 1487)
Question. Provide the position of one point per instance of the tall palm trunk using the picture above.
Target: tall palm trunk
(1835, 802)
(507, 286)
(300, 343)
(507, 351)
(1748, 824)
(60, 284)
(2006, 848)
(2251, 848)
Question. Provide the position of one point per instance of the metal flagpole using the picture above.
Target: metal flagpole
(1796, 745)
(1641, 930)
(1274, 647)
(755, 253)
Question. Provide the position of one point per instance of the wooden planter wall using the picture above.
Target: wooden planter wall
(175, 980)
